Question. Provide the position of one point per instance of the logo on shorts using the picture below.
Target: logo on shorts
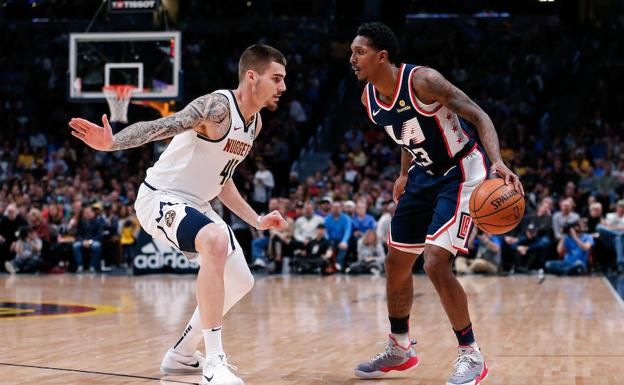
(464, 225)
(170, 217)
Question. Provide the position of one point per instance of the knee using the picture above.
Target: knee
(436, 265)
(395, 264)
(212, 243)
(77, 246)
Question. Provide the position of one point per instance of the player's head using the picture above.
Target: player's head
(374, 46)
(263, 68)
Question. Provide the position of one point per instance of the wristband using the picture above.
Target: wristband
(258, 221)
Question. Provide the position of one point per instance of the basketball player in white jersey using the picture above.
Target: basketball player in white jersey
(212, 135)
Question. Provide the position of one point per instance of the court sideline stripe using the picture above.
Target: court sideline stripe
(94, 372)
(618, 299)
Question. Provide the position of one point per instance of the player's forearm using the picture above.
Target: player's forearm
(406, 160)
(140, 133)
(488, 136)
(231, 198)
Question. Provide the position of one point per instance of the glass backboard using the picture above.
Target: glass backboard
(149, 61)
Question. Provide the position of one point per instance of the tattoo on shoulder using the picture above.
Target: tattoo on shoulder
(208, 108)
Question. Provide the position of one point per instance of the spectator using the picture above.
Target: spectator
(488, 254)
(10, 223)
(383, 225)
(612, 232)
(27, 252)
(564, 217)
(280, 243)
(370, 255)
(324, 207)
(338, 226)
(362, 221)
(263, 183)
(531, 249)
(306, 225)
(128, 235)
(89, 237)
(574, 246)
(260, 243)
(316, 256)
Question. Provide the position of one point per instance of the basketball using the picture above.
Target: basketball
(496, 207)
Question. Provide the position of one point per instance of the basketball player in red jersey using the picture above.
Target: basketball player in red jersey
(441, 165)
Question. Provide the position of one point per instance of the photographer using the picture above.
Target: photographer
(488, 254)
(27, 249)
(575, 246)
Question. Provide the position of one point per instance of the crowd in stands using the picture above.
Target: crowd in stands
(65, 207)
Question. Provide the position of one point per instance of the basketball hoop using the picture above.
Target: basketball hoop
(118, 97)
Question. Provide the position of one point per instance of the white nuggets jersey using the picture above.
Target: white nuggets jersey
(195, 167)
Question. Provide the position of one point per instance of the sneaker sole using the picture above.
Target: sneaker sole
(164, 370)
(379, 373)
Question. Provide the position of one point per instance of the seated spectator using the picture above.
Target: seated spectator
(88, 236)
(260, 242)
(574, 246)
(306, 225)
(488, 254)
(604, 257)
(383, 225)
(612, 232)
(27, 249)
(564, 217)
(338, 226)
(280, 243)
(10, 223)
(316, 256)
(370, 254)
(531, 249)
(324, 206)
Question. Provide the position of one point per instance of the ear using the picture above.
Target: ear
(383, 56)
(251, 75)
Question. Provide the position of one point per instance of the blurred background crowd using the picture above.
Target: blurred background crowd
(548, 81)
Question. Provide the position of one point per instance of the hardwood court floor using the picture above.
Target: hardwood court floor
(313, 330)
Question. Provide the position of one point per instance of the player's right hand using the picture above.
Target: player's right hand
(272, 220)
(399, 188)
(97, 137)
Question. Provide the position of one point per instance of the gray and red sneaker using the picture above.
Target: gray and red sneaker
(469, 368)
(395, 357)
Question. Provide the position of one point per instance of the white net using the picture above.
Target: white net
(118, 99)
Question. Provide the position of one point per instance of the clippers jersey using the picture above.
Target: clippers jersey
(195, 167)
(432, 133)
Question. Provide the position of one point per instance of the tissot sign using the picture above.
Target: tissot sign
(133, 5)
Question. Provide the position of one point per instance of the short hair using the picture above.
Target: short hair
(381, 37)
(258, 57)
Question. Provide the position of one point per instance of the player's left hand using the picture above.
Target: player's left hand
(510, 178)
(272, 220)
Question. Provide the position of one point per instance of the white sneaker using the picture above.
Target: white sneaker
(217, 372)
(176, 363)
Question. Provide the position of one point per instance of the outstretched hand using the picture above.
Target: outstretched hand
(508, 176)
(97, 137)
(272, 220)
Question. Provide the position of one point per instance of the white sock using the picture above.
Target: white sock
(187, 344)
(402, 339)
(212, 339)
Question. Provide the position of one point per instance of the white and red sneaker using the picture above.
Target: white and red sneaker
(395, 357)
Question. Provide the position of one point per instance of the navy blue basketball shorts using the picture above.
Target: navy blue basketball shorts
(434, 209)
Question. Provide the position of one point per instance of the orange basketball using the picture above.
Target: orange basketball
(496, 207)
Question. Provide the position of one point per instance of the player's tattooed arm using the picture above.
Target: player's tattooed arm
(430, 86)
(212, 110)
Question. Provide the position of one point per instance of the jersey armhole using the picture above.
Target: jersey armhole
(424, 109)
